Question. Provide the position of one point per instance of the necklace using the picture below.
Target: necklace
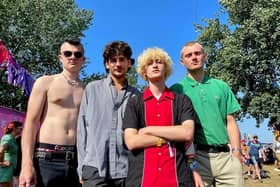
(71, 81)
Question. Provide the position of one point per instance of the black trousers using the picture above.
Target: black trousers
(56, 173)
(91, 178)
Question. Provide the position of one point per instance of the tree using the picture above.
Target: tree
(245, 52)
(33, 32)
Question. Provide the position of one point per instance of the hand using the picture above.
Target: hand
(243, 159)
(237, 155)
(143, 131)
(198, 182)
(27, 177)
(5, 163)
(81, 181)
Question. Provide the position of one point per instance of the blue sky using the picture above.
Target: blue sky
(167, 24)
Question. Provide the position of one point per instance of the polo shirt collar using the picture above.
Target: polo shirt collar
(166, 94)
(206, 80)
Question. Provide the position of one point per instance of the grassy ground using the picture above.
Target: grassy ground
(273, 179)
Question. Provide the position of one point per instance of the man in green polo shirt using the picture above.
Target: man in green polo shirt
(217, 137)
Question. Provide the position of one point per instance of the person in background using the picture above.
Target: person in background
(245, 154)
(157, 126)
(255, 150)
(102, 156)
(215, 105)
(54, 105)
(8, 153)
(269, 154)
(276, 149)
(19, 156)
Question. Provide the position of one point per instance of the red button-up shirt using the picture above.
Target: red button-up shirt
(159, 163)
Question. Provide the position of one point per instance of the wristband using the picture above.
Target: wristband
(159, 142)
(235, 149)
(194, 165)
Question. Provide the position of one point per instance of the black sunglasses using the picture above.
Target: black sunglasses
(68, 54)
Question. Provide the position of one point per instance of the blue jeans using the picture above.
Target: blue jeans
(56, 173)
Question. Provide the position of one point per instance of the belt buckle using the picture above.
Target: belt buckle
(40, 154)
(69, 155)
(43, 155)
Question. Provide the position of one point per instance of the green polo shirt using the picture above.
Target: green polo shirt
(213, 100)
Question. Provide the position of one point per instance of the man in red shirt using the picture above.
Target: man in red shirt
(157, 125)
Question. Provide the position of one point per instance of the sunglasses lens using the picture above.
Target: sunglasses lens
(67, 53)
(78, 54)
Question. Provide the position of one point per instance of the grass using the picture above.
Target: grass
(272, 179)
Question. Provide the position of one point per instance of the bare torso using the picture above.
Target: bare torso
(60, 112)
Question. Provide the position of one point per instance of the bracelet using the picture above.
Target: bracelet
(159, 142)
(235, 149)
(194, 165)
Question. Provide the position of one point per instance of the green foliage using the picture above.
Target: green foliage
(93, 77)
(245, 52)
(33, 32)
(131, 77)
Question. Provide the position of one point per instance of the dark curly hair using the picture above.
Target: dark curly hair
(117, 48)
(11, 126)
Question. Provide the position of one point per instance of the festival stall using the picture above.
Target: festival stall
(16, 76)
(7, 115)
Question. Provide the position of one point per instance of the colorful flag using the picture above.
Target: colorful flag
(17, 75)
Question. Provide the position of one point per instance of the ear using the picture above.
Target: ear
(205, 57)
(84, 59)
(107, 65)
(129, 63)
(59, 57)
(181, 61)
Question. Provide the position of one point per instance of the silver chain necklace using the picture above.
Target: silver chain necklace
(70, 81)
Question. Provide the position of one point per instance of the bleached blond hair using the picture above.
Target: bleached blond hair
(151, 54)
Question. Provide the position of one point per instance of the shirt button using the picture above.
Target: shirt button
(159, 169)
(158, 115)
(159, 154)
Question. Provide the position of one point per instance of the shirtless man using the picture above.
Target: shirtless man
(54, 103)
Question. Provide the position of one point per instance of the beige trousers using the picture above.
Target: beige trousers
(219, 169)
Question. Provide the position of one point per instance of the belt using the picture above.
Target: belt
(63, 156)
(54, 147)
(213, 148)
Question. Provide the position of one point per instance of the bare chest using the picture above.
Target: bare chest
(64, 95)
